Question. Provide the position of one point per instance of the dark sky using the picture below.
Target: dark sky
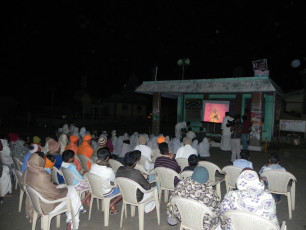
(55, 44)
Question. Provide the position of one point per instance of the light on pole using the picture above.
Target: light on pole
(182, 62)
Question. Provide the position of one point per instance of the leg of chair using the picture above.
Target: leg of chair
(132, 210)
(123, 207)
(292, 191)
(166, 194)
(106, 211)
(20, 199)
(98, 204)
(157, 211)
(90, 206)
(125, 211)
(289, 205)
(218, 189)
(34, 220)
(141, 216)
(16, 183)
(58, 221)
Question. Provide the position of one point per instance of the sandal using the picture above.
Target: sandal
(113, 212)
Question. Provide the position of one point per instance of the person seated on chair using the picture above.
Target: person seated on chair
(102, 169)
(50, 161)
(5, 180)
(250, 196)
(197, 187)
(36, 177)
(128, 171)
(273, 164)
(167, 160)
(243, 162)
(86, 149)
(73, 145)
(193, 161)
(68, 158)
(186, 150)
(145, 152)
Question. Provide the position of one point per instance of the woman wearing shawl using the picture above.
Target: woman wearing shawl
(19, 149)
(63, 142)
(196, 188)
(36, 177)
(250, 197)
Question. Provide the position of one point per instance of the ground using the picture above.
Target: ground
(293, 158)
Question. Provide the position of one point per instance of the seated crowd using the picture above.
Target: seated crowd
(40, 157)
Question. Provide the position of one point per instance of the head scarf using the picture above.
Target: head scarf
(87, 137)
(36, 140)
(53, 146)
(49, 164)
(161, 139)
(249, 182)
(200, 175)
(13, 136)
(63, 142)
(102, 141)
(73, 138)
(35, 148)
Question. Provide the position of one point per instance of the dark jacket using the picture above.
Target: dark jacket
(135, 175)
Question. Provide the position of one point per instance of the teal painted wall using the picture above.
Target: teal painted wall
(268, 121)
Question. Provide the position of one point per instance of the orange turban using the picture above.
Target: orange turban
(161, 139)
(73, 138)
(87, 137)
(49, 164)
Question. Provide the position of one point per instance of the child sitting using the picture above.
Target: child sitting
(193, 161)
(50, 161)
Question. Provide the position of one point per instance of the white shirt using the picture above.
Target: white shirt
(106, 173)
(185, 152)
(5, 153)
(204, 147)
(178, 127)
(226, 130)
(146, 152)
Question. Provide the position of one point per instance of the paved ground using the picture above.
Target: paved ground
(292, 158)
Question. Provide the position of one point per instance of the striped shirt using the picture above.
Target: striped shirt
(167, 162)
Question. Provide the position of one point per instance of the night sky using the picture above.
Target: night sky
(54, 45)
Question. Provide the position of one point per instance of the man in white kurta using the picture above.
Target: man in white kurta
(178, 128)
(186, 150)
(145, 152)
(226, 133)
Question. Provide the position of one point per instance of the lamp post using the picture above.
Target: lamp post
(182, 62)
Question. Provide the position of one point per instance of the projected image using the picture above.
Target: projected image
(214, 111)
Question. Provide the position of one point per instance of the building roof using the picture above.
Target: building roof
(173, 89)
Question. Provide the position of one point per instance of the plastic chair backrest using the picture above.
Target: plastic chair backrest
(114, 164)
(97, 184)
(84, 161)
(211, 168)
(19, 178)
(245, 220)
(166, 177)
(232, 173)
(128, 189)
(278, 180)
(192, 212)
(182, 162)
(54, 175)
(185, 174)
(18, 163)
(69, 176)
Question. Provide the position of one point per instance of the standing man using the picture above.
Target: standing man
(236, 129)
(226, 133)
(179, 126)
(245, 132)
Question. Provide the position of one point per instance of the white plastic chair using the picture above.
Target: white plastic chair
(84, 161)
(128, 190)
(18, 175)
(192, 212)
(142, 169)
(231, 174)
(36, 199)
(54, 173)
(165, 178)
(96, 183)
(186, 173)
(279, 183)
(182, 162)
(114, 164)
(68, 176)
(213, 179)
(242, 220)
(18, 165)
